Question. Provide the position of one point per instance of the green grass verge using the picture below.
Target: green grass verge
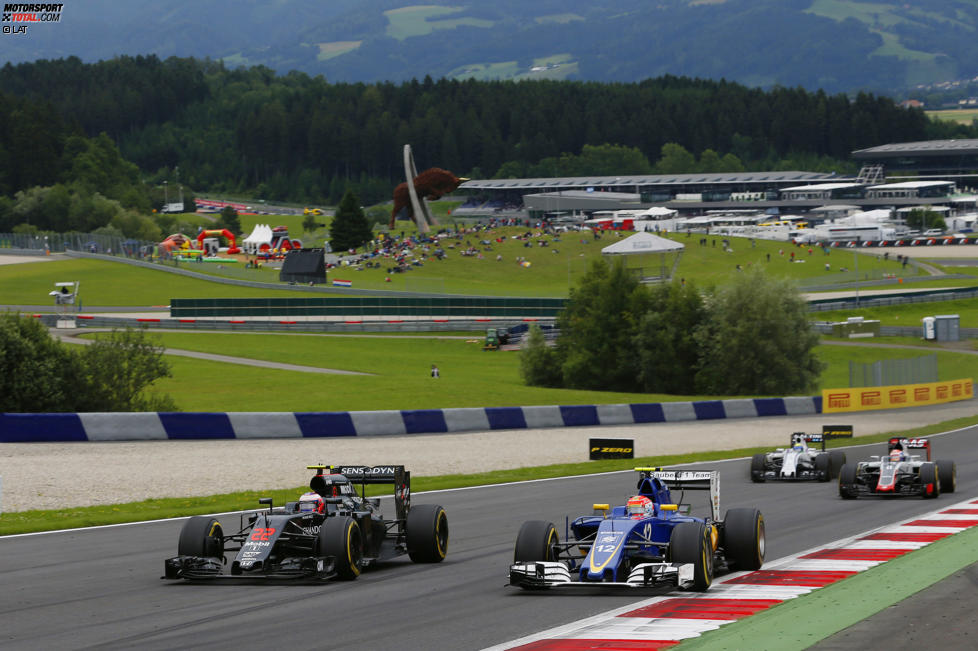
(797, 624)
(951, 365)
(398, 368)
(908, 314)
(112, 283)
(397, 374)
(548, 274)
(49, 520)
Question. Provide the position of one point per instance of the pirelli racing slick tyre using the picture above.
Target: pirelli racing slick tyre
(757, 463)
(201, 536)
(427, 533)
(837, 459)
(743, 539)
(930, 486)
(847, 482)
(823, 466)
(341, 538)
(947, 474)
(536, 541)
(691, 542)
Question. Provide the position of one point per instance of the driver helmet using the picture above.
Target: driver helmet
(799, 447)
(896, 454)
(639, 507)
(311, 503)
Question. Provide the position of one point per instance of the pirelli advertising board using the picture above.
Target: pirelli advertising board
(898, 395)
(611, 449)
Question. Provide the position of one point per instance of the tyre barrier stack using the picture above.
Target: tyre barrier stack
(153, 426)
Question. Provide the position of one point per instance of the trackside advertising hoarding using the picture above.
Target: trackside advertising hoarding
(898, 395)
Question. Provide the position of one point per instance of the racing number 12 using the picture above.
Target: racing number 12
(262, 533)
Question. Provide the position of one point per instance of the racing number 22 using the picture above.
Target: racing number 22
(262, 533)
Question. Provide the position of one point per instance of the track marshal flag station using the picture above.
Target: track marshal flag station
(898, 395)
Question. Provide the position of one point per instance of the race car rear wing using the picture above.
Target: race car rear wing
(828, 432)
(909, 444)
(689, 480)
(363, 475)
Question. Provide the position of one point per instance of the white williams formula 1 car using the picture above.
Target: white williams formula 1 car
(799, 461)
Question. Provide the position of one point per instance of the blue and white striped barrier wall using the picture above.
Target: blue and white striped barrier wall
(153, 426)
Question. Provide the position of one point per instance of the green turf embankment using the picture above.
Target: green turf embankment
(800, 623)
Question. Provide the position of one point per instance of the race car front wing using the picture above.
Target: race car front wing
(199, 568)
(541, 575)
(799, 475)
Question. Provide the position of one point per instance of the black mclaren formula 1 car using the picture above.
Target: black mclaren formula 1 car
(799, 461)
(899, 473)
(330, 532)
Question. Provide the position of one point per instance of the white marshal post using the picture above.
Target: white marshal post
(64, 298)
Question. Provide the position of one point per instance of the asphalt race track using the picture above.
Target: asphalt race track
(101, 587)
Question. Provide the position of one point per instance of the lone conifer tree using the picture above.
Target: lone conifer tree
(350, 227)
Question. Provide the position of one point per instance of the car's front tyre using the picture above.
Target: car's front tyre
(691, 542)
(757, 466)
(847, 482)
(930, 486)
(823, 466)
(341, 538)
(201, 536)
(536, 541)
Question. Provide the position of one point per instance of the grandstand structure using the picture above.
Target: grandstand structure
(955, 161)
(929, 159)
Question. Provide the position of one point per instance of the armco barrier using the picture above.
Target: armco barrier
(152, 426)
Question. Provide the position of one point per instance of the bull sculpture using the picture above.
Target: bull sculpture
(430, 184)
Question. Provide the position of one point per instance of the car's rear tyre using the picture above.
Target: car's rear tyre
(930, 486)
(427, 533)
(743, 539)
(341, 538)
(691, 542)
(536, 541)
(837, 459)
(823, 467)
(201, 536)
(757, 463)
(947, 474)
(847, 482)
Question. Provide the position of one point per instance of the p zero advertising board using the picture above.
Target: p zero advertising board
(898, 395)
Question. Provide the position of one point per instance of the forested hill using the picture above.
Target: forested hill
(301, 138)
(837, 45)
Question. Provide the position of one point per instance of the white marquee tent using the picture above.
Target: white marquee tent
(648, 255)
(262, 234)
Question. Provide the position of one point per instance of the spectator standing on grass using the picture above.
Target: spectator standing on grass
(434, 371)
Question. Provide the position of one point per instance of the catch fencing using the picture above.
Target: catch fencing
(89, 242)
(890, 372)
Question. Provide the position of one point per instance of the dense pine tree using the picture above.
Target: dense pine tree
(349, 229)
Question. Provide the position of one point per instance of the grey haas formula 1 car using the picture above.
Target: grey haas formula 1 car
(330, 532)
(899, 473)
(799, 461)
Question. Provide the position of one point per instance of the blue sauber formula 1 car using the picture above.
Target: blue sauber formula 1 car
(650, 541)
